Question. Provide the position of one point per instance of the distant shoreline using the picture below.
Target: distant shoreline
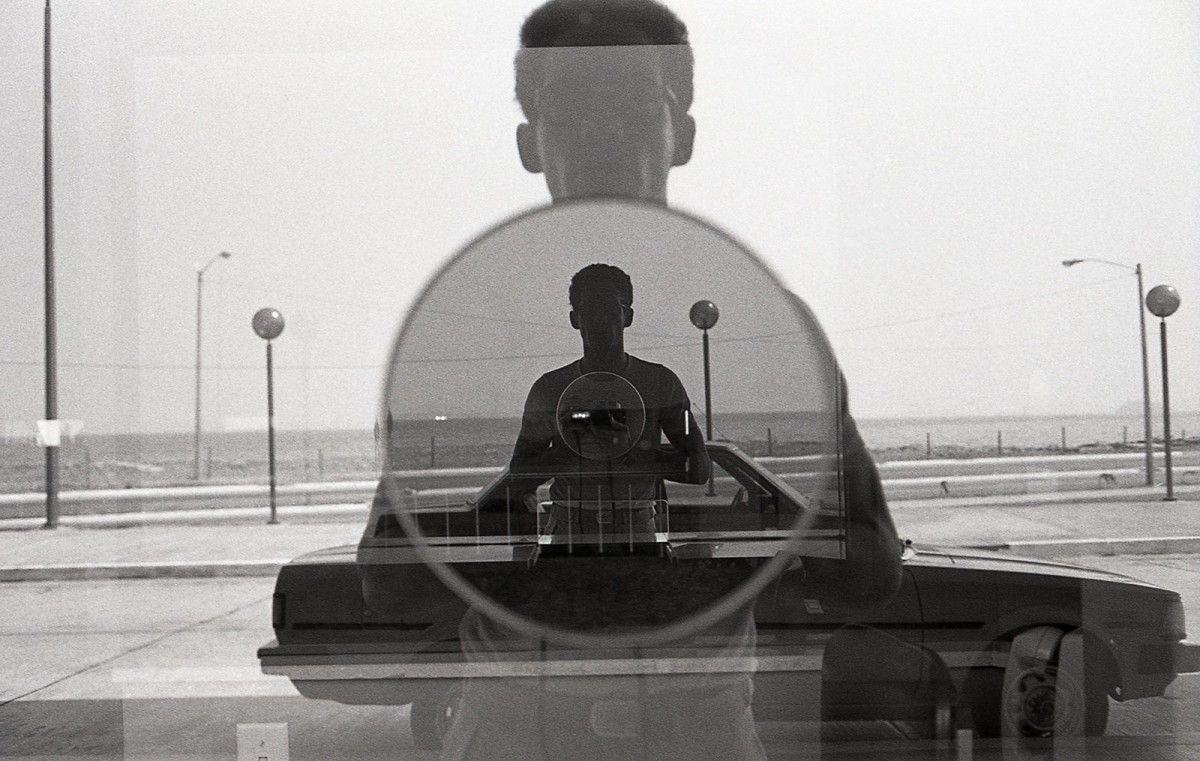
(135, 461)
(1156, 418)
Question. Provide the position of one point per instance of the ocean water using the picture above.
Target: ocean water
(134, 460)
(1021, 432)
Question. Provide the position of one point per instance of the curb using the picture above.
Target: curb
(110, 571)
(231, 516)
(1120, 494)
(1060, 548)
(359, 510)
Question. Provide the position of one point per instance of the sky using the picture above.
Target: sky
(914, 171)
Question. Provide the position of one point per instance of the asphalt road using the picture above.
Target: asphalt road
(167, 668)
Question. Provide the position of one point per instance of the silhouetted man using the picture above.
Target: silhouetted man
(605, 87)
(598, 423)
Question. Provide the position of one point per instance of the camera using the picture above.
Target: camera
(612, 417)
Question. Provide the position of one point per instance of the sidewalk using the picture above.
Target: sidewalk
(237, 541)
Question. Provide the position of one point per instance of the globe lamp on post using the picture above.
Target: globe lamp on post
(704, 314)
(268, 324)
(1162, 301)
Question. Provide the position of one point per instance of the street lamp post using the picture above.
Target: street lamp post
(200, 270)
(704, 315)
(1162, 301)
(268, 324)
(1148, 432)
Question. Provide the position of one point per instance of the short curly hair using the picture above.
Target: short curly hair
(598, 276)
(587, 23)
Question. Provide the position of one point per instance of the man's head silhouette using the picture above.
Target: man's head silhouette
(605, 88)
(601, 308)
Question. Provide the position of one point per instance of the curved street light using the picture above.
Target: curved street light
(200, 270)
(1148, 433)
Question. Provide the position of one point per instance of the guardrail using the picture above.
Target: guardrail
(906, 478)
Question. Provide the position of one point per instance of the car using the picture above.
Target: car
(1008, 645)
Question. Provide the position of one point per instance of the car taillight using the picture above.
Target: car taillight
(278, 611)
(1174, 625)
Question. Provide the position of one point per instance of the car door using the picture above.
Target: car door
(749, 507)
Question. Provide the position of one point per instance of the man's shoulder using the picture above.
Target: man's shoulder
(659, 381)
(555, 380)
(639, 366)
(569, 370)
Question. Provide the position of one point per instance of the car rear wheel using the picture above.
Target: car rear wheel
(432, 717)
(1045, 688)
(1041, 699)
(1048, 687)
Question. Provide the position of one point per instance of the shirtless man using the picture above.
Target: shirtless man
(611, 476)
(605, 88)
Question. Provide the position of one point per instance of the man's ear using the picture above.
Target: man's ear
(527, 148)
(574, 320)
(628, 315)
(685, 136)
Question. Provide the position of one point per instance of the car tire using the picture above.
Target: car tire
(1034, 699)
(430, 718)
(1047, 687)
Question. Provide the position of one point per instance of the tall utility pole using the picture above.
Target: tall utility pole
(199, 322)
(51, 324)
(1145, 382)
(1148, 430)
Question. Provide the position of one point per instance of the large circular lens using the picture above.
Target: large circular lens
(555, 365)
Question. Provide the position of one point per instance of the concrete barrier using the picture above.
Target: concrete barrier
(901, 480)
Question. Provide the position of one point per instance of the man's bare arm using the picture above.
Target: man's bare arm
(870, 575)
(688, 463)
(535, 459)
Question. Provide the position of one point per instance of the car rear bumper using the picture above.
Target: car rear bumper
(1187, 657)
(1157, 666)
(357, 675)
(1170, 658)
(379, 676)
